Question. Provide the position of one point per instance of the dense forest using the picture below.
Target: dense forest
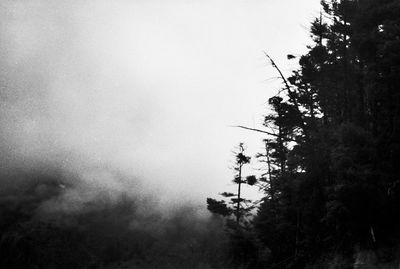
(332, 145)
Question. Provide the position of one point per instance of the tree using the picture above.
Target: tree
(332, 143)
(237, 206)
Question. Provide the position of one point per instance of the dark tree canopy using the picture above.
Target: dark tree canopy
(333, 180)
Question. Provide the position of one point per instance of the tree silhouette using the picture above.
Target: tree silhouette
(333, 142)
(237, 205)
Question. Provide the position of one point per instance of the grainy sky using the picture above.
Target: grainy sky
(149, 88)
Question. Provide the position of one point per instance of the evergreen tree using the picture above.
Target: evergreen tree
(332, 177)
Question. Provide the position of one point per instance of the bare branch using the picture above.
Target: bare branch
(255, 130)
(291, 94)
(280, 74)
(260, 131)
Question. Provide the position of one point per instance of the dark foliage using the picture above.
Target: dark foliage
(332, 185)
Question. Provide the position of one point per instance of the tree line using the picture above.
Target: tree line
(332, 144)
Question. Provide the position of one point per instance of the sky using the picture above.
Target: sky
(147, 88)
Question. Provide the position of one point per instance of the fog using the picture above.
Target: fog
(137, 97)
(115, 124)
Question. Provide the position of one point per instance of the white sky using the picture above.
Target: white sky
(150, 87)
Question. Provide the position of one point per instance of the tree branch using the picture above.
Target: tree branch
(291, 94)
(255, 130)
(280, 74)
(260, 131)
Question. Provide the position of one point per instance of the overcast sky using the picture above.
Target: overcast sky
(148, 87)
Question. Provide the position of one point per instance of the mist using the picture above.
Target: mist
(145, 88)
(115, 120)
